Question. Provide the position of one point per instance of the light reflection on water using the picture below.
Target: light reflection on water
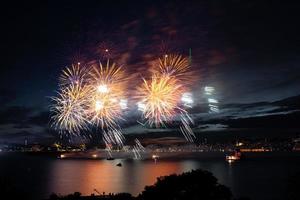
(68, 176)
(260, 177)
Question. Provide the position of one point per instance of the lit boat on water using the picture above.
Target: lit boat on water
(237, 155)
(61, 156)
(155, 157)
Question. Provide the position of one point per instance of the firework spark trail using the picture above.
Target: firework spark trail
(114, 137)
(73, 75)
(108, 100)
(185, 127)
(186, 119)
(174, 65)
(139, 145)
(108, 148)
(108, 85)
(179, 67)
(69, 109)
(136, 154)
(161, 98)
(137, 149)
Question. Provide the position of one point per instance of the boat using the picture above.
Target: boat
(155, 157)
(119, 165)
(237, 155)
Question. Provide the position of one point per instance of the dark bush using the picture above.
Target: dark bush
(194, 185)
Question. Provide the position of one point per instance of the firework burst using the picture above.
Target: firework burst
(159, 98)
(69, 109)
(91, 96)
(162, 98)
(73, 75)
(174, 65)
(108, 85)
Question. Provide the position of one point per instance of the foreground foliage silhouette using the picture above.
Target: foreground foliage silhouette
(197, 184)
(293, 192)
(193, 185)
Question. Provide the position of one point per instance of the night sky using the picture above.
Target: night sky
(248, 50)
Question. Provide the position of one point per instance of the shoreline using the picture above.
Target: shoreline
(102, 155)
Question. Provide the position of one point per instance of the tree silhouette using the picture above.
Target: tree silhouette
(293, 191)
(194, 185)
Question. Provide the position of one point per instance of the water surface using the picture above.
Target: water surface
(259, 176)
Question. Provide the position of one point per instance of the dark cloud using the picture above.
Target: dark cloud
(17, 123)
(276, 121)
(15, 115)
(24, 116)
(41, 119)
(21, 126)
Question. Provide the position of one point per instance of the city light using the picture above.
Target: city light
(94, 155)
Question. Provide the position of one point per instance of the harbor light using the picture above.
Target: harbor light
(94, 155)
